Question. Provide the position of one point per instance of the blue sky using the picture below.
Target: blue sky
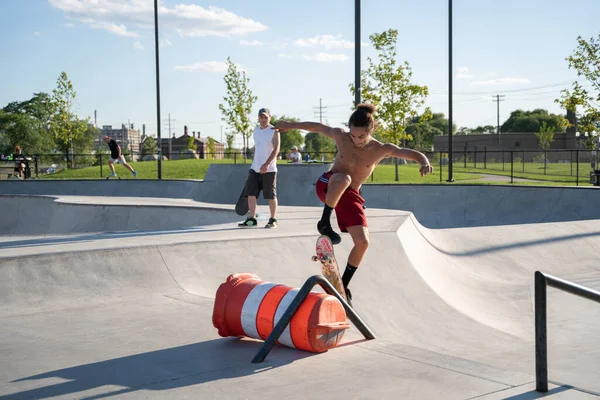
(294, 53)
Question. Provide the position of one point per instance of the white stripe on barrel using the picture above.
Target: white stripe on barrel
(250, 308)
(286, 336)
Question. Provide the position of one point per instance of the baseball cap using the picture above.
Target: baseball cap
(264, 111)
(294, 148)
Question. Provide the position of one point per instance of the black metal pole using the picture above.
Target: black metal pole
(157, 90)
(357, 45)
(541, 342)
(450, 156)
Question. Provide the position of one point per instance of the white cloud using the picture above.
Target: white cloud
(207, 66)
(36, 33)
(122, 17)
(251, 43)
(137, 45)
(327, 57)
(326, 41)
(165, 43)
(502, 81)
(68, 25)
(285, 55)
(463, 73)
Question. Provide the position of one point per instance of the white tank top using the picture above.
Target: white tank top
(263, 146)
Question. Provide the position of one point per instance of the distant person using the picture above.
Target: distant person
(21, 163)
(263, 171)
(116, 156)
(295, 157)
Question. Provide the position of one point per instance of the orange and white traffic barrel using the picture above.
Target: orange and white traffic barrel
(246, 306)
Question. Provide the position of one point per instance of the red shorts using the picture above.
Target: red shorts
(349, 210)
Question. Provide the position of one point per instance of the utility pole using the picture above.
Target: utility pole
(319, 110)
(498, 100)
(170, 136)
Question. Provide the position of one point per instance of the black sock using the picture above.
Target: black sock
(325, 218)
(350, 270)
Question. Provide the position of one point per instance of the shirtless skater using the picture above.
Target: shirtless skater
(358, 155)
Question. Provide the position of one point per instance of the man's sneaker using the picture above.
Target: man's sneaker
(113, 175)
(272, 223)
(328, 231)
(249, 222)
(348, 296)
(134, 174)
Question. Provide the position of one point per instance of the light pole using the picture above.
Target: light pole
(450, 177)
(157, 89)
(356, 52)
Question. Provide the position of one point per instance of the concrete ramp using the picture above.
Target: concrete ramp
(39, 215)
(128, 314)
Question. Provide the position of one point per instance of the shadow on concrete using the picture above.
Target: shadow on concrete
(166, 369)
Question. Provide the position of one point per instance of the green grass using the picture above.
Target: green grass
(534, 171)
(556, 174)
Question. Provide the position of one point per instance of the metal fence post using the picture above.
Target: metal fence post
(512, 175)
(577, 160)
(541, 342)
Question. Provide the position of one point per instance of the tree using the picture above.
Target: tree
(545, 136)
(84, 145)
(149, 146)
(387, 84)
(586, 62)
(211, 147)
(65, 126)
(238, 105)
(293, 137)
(317, 144)
(531, 121)
(26, 124)
(190, 143)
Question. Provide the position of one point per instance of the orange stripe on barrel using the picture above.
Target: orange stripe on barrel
(235, 303)
(266, 311)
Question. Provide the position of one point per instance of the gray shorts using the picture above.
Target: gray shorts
(266, 182)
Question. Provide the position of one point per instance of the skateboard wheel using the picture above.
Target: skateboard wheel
(314, 258)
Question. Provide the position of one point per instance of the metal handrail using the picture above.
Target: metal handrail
(295, 305)
(541, 342)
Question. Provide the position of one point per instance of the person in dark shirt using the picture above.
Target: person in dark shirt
(116, 156)
(21, 162)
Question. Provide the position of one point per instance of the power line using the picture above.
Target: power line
(506, 91)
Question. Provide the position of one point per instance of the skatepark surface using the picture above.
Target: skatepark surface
(111, 297)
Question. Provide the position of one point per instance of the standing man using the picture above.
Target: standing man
(263, 171)
(358, 155)
(116, 156)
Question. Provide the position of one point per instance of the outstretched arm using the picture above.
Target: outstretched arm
(409, 154)
(317, 127)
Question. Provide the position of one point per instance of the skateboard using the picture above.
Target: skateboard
(108, 177)
(329, 266)
(241, 207)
